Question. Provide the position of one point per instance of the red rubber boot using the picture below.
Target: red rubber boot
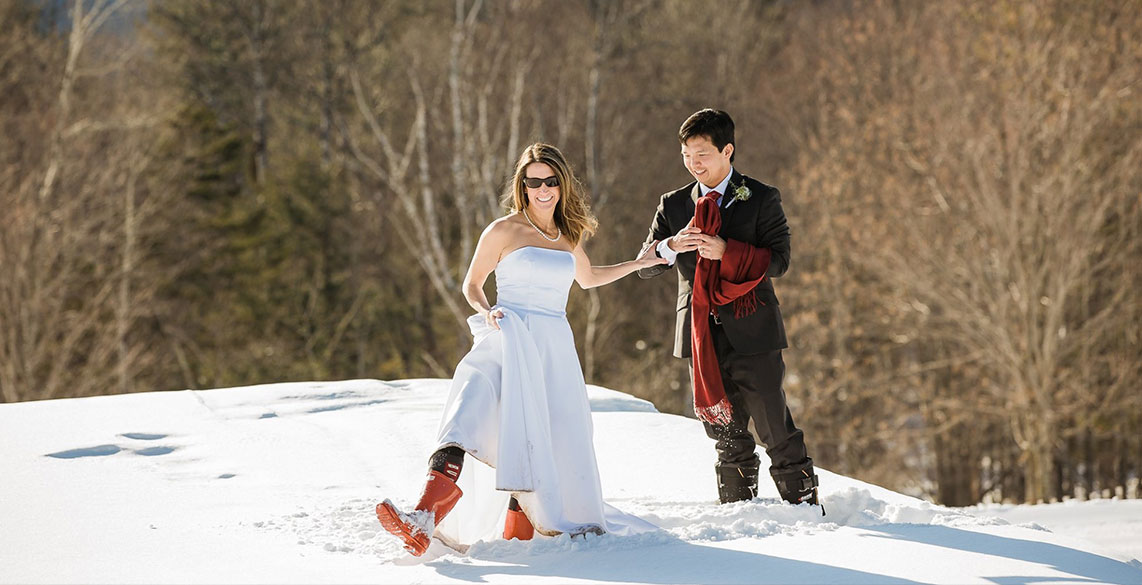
(416, 528)
(518, 526)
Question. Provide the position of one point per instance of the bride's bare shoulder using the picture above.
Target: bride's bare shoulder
(504, 226)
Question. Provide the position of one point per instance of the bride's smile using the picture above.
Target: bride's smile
(543, 192)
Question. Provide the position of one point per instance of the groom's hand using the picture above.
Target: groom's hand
(684, 240)
(710, 247)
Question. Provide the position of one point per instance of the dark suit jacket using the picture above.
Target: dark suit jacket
(758, 221)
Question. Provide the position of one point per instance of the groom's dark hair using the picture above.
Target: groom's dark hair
(715, 125)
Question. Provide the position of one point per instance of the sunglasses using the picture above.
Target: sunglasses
(534, 183)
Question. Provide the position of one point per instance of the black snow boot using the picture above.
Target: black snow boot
(736, 482)
(798, 484)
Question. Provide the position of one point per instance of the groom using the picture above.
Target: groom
(728, 237)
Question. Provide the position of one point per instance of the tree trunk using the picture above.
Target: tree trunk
(123, 307)
(954, 469)
(460, 190)
(1090, 464)
(1040, 461)
(261, 122)
(328, 91)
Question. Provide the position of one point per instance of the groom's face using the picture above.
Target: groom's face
(705, 162)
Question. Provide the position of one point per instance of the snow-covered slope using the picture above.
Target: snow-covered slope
(277, 484)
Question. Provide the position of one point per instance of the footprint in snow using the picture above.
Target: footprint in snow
(97, 451)
(108, 450)
(143, 436)
(155, 451)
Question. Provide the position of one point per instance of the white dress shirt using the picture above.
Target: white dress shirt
(664, 249)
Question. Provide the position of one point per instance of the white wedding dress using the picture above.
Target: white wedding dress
(518, 404)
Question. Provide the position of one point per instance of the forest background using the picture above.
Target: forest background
(206, 193)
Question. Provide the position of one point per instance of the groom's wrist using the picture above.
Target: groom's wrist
(664, 250)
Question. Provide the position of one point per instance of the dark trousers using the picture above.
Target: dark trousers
(753, 387)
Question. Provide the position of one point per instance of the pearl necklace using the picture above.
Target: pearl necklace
(558, 234)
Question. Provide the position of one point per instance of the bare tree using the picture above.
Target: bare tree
(59, 337)
(984, 171)
(477, 167)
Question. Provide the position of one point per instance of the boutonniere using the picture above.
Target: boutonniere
(742, 193)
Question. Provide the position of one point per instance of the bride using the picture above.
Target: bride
(518, 402)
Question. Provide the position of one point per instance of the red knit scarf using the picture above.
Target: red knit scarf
(719, 282)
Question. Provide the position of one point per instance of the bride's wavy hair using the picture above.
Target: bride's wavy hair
(573, 211)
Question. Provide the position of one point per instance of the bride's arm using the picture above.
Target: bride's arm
(484, 261)
(591, 276)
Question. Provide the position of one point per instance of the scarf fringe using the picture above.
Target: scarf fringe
(746, 304)
(719, 414)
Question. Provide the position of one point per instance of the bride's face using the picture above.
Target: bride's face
(545, 195)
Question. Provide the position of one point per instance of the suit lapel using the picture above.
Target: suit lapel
(695, 192)
(728, 212)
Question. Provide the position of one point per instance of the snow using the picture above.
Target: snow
(277, 484)
(1113, 524)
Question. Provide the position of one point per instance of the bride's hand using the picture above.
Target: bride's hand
(649, 257)
(493, 316)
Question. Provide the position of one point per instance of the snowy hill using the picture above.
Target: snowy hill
(277, 484)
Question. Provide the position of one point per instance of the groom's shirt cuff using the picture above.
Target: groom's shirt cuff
(664, 251)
